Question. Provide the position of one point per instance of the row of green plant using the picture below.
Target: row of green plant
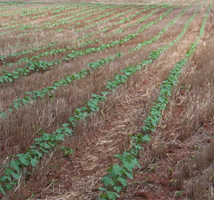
(52, 52)
(20, 13)
(43, 65)
(44, 11)
(27, 51)
(28, 12)
(138, 21)
(66, 21)
(166, 89)
(95, 19)
(63, 49)
(48, 141)
(4, 8)
(97, 23)
(156, 37)
(62, 21)
(70, 21)
(124, 20)
(31, 96)
(47, 53)
(44, 14)
(92, 33)
(13, 13)
(28, 26)
(56, 10)
(35, 95)
(101, 16)
(117, 175)
(58, 14)
(50, 24)
(85, 36)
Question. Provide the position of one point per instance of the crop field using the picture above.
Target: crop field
(107, 100)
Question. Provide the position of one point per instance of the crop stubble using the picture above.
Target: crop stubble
(19, 127)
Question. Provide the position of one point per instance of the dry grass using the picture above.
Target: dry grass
(122, 114)
(128, 106)
(46, 114)
(199, 82)
(187, 130)
(199, 112)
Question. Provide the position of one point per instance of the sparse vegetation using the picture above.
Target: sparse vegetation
(117, 95)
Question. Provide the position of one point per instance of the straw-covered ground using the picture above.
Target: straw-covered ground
(119, 89)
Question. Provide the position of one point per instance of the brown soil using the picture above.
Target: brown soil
(177, 160)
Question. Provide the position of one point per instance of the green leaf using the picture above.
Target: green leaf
(3, 114)
(15, 165)
(2, 190)
(117, 188)
(146, 138)
(16, 176)
(111, 195)
(33, 162)
(8, 171)
(23, 160)
(128, 174)
(108, 181)
(102, 189)
(115, 171)
(123, 181)
(5, 178)
(8, 186)
(128, 166)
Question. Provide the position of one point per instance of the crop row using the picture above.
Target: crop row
(90, 20)
(64, 21)
(61, 50)
(50, 24)
(102, 30)
(32, 96)
(85, 36)
(97, 23)
(9, 14)
(43, 65)
(115, 180)
(43, 12)
(25, 12)
(47, 142)
(124, 20)
(22, 26)
(30, 11)
(57, 14)
(138, 21)
(26, 51)
(4, 8)
(47, 53)
(25, 59)
(55, 11)
(67, 21)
